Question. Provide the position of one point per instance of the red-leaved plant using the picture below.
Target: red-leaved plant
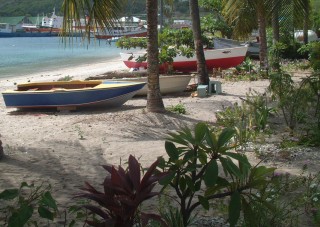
(124, 191)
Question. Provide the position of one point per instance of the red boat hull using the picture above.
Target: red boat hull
(220, 58)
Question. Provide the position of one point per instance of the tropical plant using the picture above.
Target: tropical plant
(123, 192)
(195, 177)
(179, 108)
(313, 50)
(293, 100)
(18, 206)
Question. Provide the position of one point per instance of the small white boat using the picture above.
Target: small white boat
(168, 84)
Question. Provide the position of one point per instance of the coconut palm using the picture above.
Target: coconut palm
(104, 14)
(154, 100)
(254, 11)
(196, 28)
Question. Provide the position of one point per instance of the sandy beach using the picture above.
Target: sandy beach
(67, 148)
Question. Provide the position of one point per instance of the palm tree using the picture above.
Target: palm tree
(104, 14)
(196, 28)
(234, 8)
(154, 100)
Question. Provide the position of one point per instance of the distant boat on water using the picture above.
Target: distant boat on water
(50, 26)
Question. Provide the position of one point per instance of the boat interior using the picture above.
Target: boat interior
(58, 85)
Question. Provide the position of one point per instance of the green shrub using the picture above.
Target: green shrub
(27, 205)
(195, 177)
(179, 108)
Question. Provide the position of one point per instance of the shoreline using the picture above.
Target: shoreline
(79, 72)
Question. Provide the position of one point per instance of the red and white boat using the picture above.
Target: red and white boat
(215, 58)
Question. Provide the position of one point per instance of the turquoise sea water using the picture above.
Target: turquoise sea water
(21, 56)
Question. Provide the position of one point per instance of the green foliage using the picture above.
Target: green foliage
(248, 119)
(66, 78)
(292, 197)
(179, 108)
(127, 43)
(194, 174)
(313, 50)
(212, 26)
(18, 206)
(124, 191)
(295, 101)
(275, 52)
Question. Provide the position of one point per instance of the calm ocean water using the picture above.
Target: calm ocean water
(19, 56)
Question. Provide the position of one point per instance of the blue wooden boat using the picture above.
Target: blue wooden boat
(70, 94)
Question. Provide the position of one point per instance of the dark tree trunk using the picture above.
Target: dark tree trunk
(263, 40)
(201, 61)
(154, 99)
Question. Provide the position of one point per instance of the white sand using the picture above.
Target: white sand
(68, 148)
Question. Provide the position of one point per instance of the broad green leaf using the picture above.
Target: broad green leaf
(225, 136)
(211, 174)
(9, 194)
(172, 151)
(261, 171)
(202, 157)
(223, 182)
(234, 208)
(240, 157)
(248, 213)
(189, 155)
(200, 131)
(210, 141)
(204, 202)
(232, 168)
(45, 213)
(167, 179)
(21, 216)
(47, 200)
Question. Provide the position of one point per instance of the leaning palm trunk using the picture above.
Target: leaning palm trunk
(201, 61)
(154, 100)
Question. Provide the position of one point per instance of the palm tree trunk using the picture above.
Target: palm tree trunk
(201, 61)
(263, 39)
(154, 99)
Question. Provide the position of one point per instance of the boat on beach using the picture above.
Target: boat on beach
(168, 83)
(70, 94)
(215, 58)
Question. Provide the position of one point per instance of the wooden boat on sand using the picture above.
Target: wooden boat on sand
(71, 94)
(168, 84)
(215, 58)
